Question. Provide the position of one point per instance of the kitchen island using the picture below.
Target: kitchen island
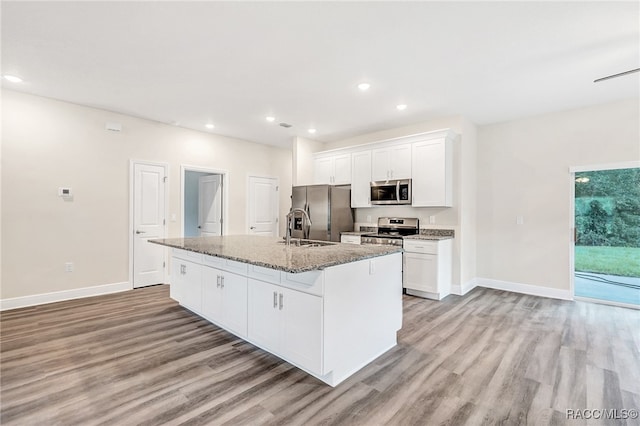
(327, 308)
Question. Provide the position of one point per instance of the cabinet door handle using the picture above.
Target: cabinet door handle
(275, 299)
(281, 301)
(222, 281)
(217, 280)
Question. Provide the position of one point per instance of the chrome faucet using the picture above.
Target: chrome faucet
(305, 219)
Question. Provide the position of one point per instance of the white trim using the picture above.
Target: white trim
(465, 288)
(534, 290)
(246, 217)
(610, 166)
(58, 296)
(132, 163)
(225, 193)
(606, 302)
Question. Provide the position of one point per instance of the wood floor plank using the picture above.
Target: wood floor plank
(490, 357)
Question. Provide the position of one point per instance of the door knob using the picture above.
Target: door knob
(140, 232)
(253, 227)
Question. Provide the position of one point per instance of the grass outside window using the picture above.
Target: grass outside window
(622, 261)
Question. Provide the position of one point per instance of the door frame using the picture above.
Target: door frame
(247, 213)
(132, 164)
(225, 193)
(572, 219)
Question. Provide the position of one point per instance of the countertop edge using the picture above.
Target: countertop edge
(278, 267)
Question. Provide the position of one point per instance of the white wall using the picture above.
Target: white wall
(48, 143)
(523, 170)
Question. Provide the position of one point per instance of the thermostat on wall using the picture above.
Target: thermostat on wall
(65, 192)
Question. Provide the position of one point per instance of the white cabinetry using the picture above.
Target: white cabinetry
(314, 320)
(432, 173)
(351, 239)
(427, 268)
(361, 179)
(332, 169)
(287, 322)
(392, 162)
(224, 299)
(186, 283)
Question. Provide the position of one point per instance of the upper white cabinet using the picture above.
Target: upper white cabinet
(426, 158)
(432, 169)
(392, 162)
(332, 169)
(361, 179)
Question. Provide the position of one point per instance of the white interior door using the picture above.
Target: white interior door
(210, 205)
(263, 206)
(148, 223)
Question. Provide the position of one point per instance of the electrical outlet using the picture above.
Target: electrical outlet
(432, 220)
(68, 267)
(368, 218)
(519, 220)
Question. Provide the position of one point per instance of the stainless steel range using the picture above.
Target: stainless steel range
(391, 230)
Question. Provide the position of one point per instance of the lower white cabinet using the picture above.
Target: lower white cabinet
(350, 239)
(287, 322)
(224, 299)
(186, 283)
(427, 268)
(327, 322)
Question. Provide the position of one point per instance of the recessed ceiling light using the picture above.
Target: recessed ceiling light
(209, 126)
(270, 119)
(312, 130)
(364, 86)
(12, 78)
(401, 107)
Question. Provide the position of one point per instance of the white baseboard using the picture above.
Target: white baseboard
(464, 288)
(58, 296)
(534, 290)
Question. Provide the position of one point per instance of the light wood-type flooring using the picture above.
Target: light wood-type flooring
(490, 357)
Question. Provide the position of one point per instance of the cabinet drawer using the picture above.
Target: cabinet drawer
(187, 255)
(213, 261)
(264, 274)
(350, 239)
(420, 246)
(309, 282)
(226, 264)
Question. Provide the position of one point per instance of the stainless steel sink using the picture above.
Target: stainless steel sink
(299, 242)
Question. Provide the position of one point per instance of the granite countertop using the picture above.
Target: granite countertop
(270, 252)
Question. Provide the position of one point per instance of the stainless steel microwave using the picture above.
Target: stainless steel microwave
(388, 192)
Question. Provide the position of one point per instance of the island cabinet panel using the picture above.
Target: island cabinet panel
(330, 321)
(224, 299)
(264, 317)
(186, 287)
(286, 322)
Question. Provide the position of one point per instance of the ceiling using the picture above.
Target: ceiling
(233, 63)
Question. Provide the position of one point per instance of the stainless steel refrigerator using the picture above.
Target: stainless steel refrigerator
(329, 208)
